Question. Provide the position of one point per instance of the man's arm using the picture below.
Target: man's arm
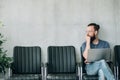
(85, 53)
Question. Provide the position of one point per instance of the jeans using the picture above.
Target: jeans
(101, 68)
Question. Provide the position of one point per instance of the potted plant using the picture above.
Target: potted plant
(4, 60)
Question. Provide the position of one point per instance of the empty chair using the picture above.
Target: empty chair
(26, 63)
(62, 63)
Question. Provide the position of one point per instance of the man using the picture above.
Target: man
(92, 41)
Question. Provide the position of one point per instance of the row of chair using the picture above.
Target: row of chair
(61, 64)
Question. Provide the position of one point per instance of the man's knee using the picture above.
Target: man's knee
(102, 62)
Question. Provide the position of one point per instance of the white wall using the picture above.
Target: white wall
(57, 22)
(117, 15)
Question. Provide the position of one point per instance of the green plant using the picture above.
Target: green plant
(4, 60)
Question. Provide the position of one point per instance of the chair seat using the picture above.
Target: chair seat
(61, 77)
(90, 77)
(25, 77)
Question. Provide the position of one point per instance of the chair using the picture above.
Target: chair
(117, 61)
(62, 63)
(26, 63)
(83, 71)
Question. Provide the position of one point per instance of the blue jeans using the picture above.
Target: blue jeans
(101, 68)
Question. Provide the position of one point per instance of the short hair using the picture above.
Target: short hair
(96, 26)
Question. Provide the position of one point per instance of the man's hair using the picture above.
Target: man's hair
(96, 26)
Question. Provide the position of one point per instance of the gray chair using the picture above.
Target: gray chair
(26, 63)
(62, 64)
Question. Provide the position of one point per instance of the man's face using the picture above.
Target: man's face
(90, 31)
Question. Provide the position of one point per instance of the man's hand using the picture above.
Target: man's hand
(87, 38)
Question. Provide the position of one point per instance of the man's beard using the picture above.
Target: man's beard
(92, 39)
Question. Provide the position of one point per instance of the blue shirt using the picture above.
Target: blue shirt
(101, 44)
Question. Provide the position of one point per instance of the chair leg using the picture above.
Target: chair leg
(81, 73)
(117, 73)
(45, 72)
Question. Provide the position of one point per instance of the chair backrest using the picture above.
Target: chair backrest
(61, 59)
(27, 60)
(117, 53)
